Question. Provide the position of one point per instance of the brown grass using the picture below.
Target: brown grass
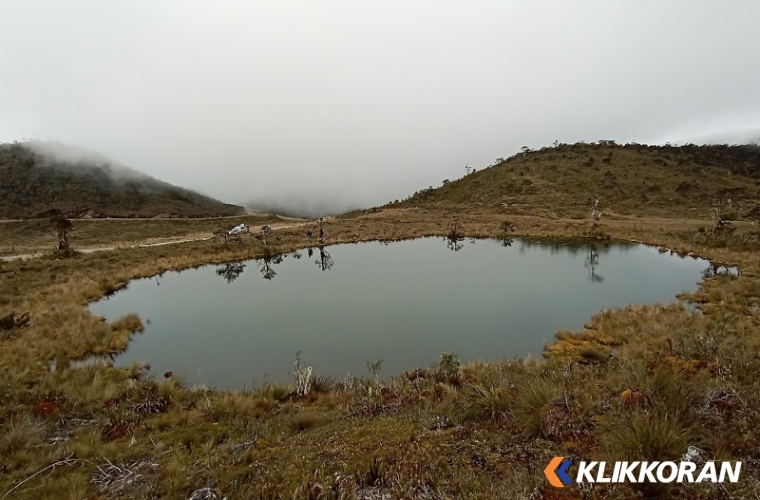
(697, 368)
(35, 235)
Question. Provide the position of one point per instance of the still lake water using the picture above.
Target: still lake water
(237, 325)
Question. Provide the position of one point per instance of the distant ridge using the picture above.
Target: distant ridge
(40, 178)
(634, 179)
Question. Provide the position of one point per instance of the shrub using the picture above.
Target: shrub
(447, 369)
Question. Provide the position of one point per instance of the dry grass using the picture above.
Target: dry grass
(690, 380)
(35, 235)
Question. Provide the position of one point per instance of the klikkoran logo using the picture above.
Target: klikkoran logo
(641, 472)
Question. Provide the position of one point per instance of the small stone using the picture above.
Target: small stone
(206, 493)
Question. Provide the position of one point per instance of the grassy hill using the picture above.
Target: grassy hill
(633, 179)
(36, 179)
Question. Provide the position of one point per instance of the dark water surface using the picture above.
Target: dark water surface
(236, 325)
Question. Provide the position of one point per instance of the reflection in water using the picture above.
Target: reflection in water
(324, 261)
(454, 244)
(230, 271)
(310, 252)
(591, 262)
(454, 237)
(718, 269)
(507, 242)
(574, 246)
(405, 303)
(266, 264)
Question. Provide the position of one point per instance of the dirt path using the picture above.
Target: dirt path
(136, 245)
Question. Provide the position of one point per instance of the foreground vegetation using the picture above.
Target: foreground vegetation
(644, 382)
(650, 382)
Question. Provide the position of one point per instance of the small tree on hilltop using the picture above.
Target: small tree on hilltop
(265, 232)
(595, 213)
(322, 230)
(723, 216)
(61, 227)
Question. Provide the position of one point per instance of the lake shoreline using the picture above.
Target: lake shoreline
(339, 430)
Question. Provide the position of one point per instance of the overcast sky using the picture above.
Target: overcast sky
(362, 102)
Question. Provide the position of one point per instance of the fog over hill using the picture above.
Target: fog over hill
(350, 104)
(296, 206)
(38, 178)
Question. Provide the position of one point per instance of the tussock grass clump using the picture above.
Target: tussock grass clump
(323, 384)
(20, 434)
(488, 404)
(304, 421)
(593, 354)
(647, 436)
(536, 408)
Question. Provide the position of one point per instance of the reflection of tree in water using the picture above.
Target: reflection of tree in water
(230, 271)
(310, 252)
(454, 244)
(266, 264)
(507, 242)
(324, 261)
(714, 269)
(454, 237)
(572, 246)
(591, 262)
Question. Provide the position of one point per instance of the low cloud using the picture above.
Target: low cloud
(300, 207)
(56, 154)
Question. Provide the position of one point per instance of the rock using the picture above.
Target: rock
(206, 493)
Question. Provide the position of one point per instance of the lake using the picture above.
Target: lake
(240, 324)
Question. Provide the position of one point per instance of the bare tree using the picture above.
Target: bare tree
(322, 230)
(595, 213)
(226, 237)
(61, 227)
(265, 231)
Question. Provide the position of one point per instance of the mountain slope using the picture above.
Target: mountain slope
(632, 179)
(36, 179)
